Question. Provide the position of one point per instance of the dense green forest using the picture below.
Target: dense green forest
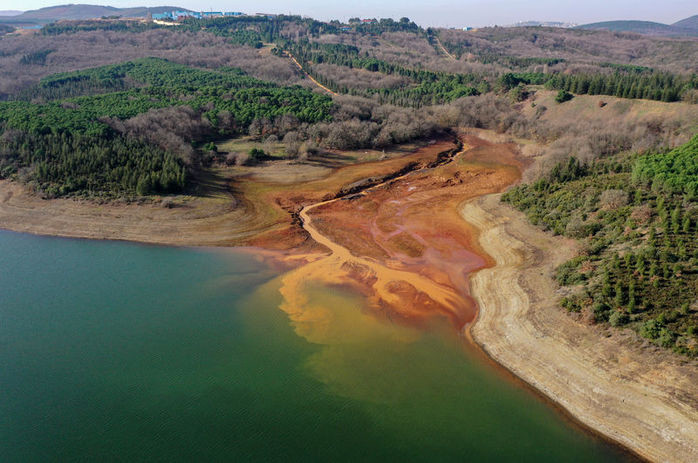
(86, 135)
(638, 218)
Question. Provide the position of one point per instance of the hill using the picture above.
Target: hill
(688, 23)
(77, 12)
(685, 27)
(10, 12)
(542, 24)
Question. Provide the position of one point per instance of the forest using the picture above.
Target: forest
(637, 216)
(89, 135)
(425, 88)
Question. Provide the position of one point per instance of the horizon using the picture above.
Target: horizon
(443, 13)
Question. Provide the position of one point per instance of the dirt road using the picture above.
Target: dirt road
(295, 61)
(443, 49)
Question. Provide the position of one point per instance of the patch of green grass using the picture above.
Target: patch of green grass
(246, 144)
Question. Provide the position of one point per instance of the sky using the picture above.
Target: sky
(447, 13)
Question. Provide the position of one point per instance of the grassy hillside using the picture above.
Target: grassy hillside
(638, 219)
(610, 110)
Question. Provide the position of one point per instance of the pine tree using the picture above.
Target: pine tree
(619, 297)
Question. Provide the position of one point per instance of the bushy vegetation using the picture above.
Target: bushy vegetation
(562, 96)
(134, 139)
(676, 173)
(638, 217)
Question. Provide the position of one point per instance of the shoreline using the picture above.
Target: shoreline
(603, 381)
(513, 249)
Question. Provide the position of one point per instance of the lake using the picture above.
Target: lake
(115, 351)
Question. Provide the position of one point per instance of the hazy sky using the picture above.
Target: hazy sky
(425, 12)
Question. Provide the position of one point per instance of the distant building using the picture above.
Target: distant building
(180, 15)
(467, 28)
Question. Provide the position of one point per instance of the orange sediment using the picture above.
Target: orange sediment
(402, 244)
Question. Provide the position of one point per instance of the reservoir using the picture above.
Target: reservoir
(114, 351)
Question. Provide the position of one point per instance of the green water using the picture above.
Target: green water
(120, 352)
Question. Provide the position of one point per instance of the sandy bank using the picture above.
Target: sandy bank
(644, 398)
(203, 222)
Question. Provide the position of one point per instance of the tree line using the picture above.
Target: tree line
(659, 86)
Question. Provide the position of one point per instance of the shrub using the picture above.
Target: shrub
(651, 329)
(257, 154)
(666, 338)
(563, 96)
(613, 199)
(618, 318)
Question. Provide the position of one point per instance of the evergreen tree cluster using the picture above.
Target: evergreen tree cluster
(639, 265)
(647, 85)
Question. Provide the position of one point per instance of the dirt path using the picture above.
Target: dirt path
(443, 49)
(643, 398)
(295, 61)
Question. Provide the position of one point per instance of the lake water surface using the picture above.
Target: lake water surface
(121, 352)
